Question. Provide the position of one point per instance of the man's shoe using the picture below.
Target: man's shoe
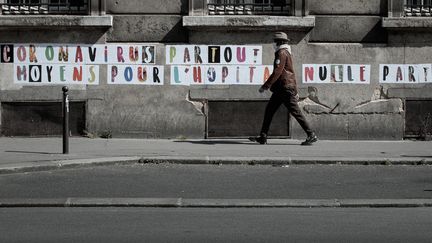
(312, 138)
(262, 139)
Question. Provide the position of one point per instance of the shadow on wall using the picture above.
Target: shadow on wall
(176, 34)
(243, 37)
(376, 35)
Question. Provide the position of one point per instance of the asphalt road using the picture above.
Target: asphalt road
(215, 225)
(224, 182)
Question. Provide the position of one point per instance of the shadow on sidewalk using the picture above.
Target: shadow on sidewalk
(29, 152)
(416, 156)
(212, 142)
(246, 142)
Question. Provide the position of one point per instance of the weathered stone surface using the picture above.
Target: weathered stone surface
(364, 29)
(248, 22)
(376, 126)
(380, 106)
(147, 7)
(55, 22)
(419, 91)
(326, 126)
(311, 106)
(407, 23)
(345, 7)
(147, 28)
(82, 36)
(145, 111)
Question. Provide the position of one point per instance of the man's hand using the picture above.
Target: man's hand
(262, 89)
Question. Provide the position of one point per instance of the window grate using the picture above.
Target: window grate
(249, 7)
(418, 8)
(40, 7)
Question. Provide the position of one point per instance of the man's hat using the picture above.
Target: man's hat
(280, 36)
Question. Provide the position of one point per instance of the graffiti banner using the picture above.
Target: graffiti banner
(220, 74)
(405, 73)
(336, 73)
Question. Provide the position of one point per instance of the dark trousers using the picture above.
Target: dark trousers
(287, 98)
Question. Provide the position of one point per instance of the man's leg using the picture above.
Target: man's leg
(290, 101)
(271, 108)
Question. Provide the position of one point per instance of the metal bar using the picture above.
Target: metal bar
(416, 8)
(65, 90)
(241, 7)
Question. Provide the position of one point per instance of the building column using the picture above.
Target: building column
(395, 8)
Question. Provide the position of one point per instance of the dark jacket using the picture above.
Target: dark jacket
(283, 77)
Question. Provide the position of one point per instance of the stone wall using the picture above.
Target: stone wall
(346, 32)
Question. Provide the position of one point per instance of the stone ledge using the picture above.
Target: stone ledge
(248, 22)
(55, 22)
(407, 23)
(420, 92)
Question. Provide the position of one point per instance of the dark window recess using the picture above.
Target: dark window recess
(249, 7)
(421, 8)
(418, 118)
(40, 118)
(243, 119)
(24, 7)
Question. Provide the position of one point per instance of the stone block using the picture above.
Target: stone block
(147, 7)
(407, 23)
(422, 92)
(380, 106)
(248, 22)
(364, 29)
(326, 126)
(147, 28)
(376, 126)
(345, 7)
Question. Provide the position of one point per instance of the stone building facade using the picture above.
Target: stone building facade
(326, 32)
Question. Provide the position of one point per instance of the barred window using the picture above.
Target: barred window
(20, 7)
(414, 8)
(249, 7)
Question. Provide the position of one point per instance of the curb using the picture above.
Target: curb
(66, 164)
(216, 203)
(276, 161)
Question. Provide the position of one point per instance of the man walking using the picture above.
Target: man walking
(283, 84)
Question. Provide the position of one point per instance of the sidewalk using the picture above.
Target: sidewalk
(40, 154)
(34, 154)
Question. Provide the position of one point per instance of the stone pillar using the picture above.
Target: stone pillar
(97, 7)
(395, 8)
(300, 8)
(197, 7)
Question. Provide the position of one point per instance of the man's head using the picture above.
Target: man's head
(280, 38)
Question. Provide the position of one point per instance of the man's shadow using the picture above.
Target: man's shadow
(242, 142)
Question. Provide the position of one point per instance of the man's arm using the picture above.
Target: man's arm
(279, 68)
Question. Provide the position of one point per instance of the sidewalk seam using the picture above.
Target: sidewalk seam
(216, 203)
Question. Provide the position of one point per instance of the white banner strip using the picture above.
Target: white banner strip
(220, 74)
(78, 54)
(336, 73)
(405, 73)
(56, 74)
(135, 74)
(213, 54)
